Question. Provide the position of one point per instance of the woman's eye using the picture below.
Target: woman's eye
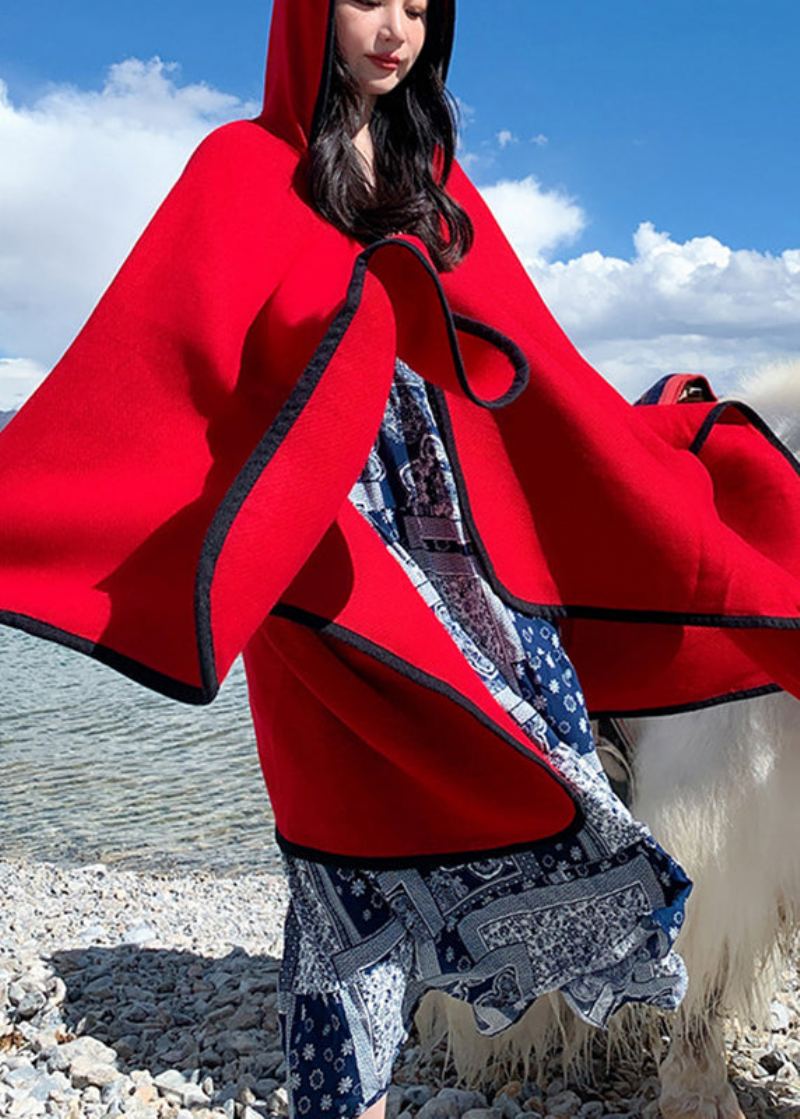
(415, 13)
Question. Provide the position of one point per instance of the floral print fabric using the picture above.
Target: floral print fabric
(594, 915)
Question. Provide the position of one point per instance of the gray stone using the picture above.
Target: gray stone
(171, 1080)
(87, 1046)
(139, 1012)
(240, 1041)
(555, 1087)
(141, 1077)
(15, 992)
(91, 933)
(117, 1091)
(40, 1038)
(245, 1017)
(394, 1101)
(780, 1017)
(24, 1107)
(439, 1109)
(772, 1061)
(194, 1096)
(47, 1084)
(87, 1072)
(57, 991)
(16, 1062)
(279, 1100)
(100, 988)
(592, 1109)
(22, 1077)
(264, 1086)
(508, 1106)
(463, 1098)
(417, 1094)
(138, 1110)
(30, 1004)
(178, 1054)
(564, 1103)
(127, 1046)
(55, 1058)
(139, 934)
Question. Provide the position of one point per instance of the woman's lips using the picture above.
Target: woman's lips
(385, 63)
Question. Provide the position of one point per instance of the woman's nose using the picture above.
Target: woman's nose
(392, 24)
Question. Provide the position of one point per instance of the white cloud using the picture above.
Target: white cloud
(692, 306)
(465, 113)
(18, 378)
(539, 139)
(506, 137)
(696, 306)
(87, 170)
(534, 220)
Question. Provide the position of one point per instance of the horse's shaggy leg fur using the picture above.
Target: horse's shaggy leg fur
(718, 788)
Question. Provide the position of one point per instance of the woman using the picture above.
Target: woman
(334, 429)
(341, 1037)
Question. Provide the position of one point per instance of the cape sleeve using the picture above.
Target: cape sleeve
(150, 502)
(692, 508)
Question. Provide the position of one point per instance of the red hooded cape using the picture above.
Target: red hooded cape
(174, 494)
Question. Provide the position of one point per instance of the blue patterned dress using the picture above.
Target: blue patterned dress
(594, 916)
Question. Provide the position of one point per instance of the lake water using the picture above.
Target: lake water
(96, 767)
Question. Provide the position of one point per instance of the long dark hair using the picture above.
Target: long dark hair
(407, 126)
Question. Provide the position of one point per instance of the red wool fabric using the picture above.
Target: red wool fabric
(174, 495)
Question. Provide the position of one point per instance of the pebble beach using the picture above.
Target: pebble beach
(153, 996)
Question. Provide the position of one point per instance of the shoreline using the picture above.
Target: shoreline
(153, 995)
(164, 908)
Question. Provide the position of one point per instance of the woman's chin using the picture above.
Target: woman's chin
(378, 85)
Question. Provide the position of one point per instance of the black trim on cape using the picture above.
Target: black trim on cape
(419, 862)
(677, 708)
(757, 421)
(134, 670)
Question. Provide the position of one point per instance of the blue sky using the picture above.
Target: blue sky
(642, 157)
(680, 112)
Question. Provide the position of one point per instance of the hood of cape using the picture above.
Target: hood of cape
(300, 59)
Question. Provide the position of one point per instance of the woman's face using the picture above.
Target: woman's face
(388, 28)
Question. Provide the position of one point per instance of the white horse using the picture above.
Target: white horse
(718, 788)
